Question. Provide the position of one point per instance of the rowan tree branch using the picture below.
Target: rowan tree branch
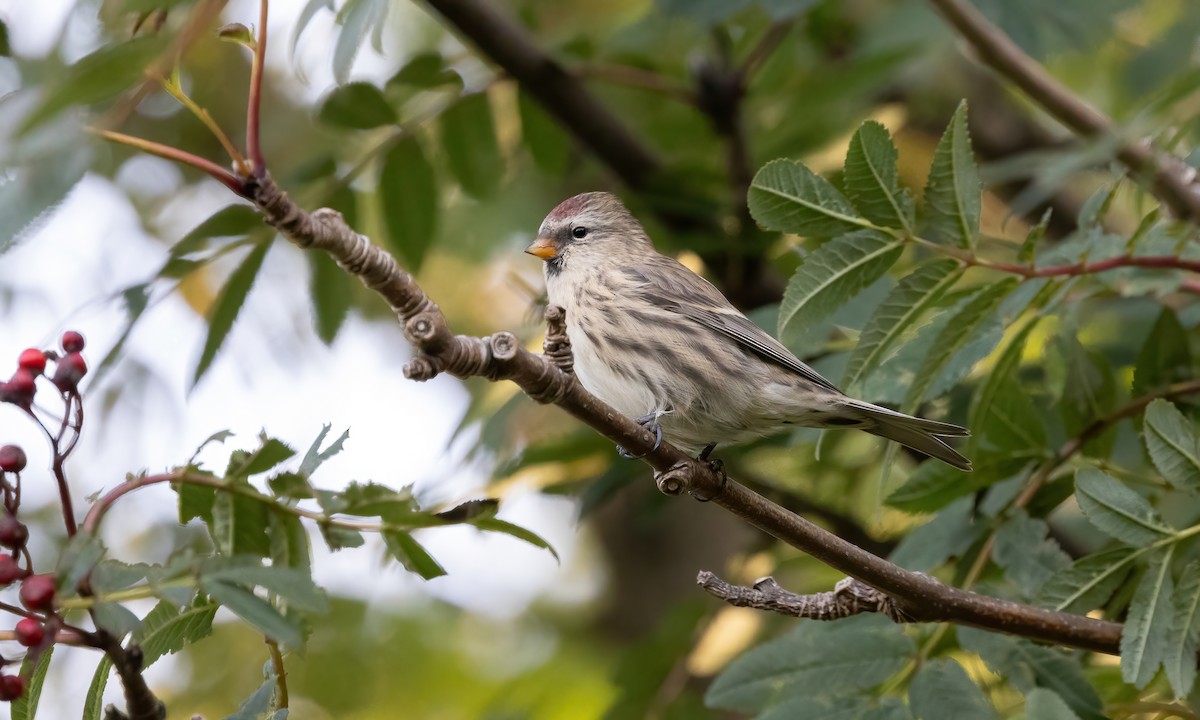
(1171, 179)
(543, 378)
(848, 597)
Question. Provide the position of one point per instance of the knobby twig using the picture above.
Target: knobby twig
(140, 702)
(848, 597)
(1172, 180)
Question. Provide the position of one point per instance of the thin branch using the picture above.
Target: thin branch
(254, 104)
(1173, 181)
(636, 77)
(206, 118)
(766, 45)
(848, 597)
(167, 152)
(140, 701)
(281, 688)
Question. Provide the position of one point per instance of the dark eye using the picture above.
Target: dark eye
(579, 232)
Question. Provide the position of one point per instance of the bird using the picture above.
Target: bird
(659, 343)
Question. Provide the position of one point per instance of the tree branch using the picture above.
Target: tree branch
(501, 357)
(848, 597)
(140, 701)
(1172, 180)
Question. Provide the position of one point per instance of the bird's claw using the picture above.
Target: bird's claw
(650, 422)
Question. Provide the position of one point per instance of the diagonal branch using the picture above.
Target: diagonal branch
(543, 378)
(1172, 180)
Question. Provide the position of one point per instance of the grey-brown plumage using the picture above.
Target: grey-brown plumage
(652, 337)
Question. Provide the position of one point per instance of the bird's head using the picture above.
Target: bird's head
(590, 226)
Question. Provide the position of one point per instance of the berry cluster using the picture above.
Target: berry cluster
(37, 629)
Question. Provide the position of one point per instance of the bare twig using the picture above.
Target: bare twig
(848, 597)
(636, 77)
(1172, 180)
(140, 702)
(253, 106)
(281, 688)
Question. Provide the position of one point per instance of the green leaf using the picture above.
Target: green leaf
(1029, 557)
(409, 553)
(952, 193)
(332, 292)
(315, 455)
(1089, 389)
(1029, 666)
(1174, 445)
(259, 702)
(357, 105)
(905, 305)
(338, 538)
(239, 525)
(93, 704)
(409, 190)
(25, 707)
(871, 179)
(1165, 357)
(1003, 373)
(942, 690)
(228, 304)
(356, 18)
(1011, 425)
(1027, 255)
(830, 276)
(834, 659)
(788, 197)
(230, 221)
(269, 454)
(256, 611)
(115, 619)
(1180, 660)
(1118, 511)
(931, 487)
(425, 70)
(97, 77)
(1045, 705)
(167, 629)
(289, 541)
(1145, 639)
(77, 560)
(492, 524)
(195, 501)
(469, 142)
(1089, 582)
(290, 585)
(5, 47)
(962, 342)
(549, 146)
(949, 534)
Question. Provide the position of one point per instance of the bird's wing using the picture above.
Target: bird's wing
(673, 287)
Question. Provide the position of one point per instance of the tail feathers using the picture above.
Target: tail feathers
(917, 433)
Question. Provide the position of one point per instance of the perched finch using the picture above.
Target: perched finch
(653, 339)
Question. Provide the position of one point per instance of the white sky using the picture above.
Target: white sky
(273, 374)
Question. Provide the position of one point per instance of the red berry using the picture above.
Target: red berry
(13, 532)
(69, 370)
(12, 687)
(10, 570)
(33, 360)
(72, 341)
(37, 592)
(30, 632)
(22, 384)
(12, 459)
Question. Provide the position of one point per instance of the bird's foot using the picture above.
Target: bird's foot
(718, 468)
(650, 422)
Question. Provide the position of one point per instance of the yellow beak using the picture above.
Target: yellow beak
(544, 248)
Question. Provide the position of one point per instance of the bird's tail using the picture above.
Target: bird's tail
(917, 433)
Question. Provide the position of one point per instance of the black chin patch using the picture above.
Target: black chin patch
(554, 265)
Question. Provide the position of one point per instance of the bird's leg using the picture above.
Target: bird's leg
(717, 466)
(650, 422)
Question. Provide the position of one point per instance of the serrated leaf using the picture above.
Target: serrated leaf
(834, 659)
(905, 305)
(469, 143)
(289, 541)
(166, 629)
(409, 553)
(239, 525)
(195, 501)
(1089, 390)
(356, 18)
(230, 221)
(93, 704)
(292, 585)
(358, 106)
(1088, 583)
(315, 455)
(1029, 666)
(871, 179)
(269, 454)
(1165, 357)
(1003, 372)
(1028, 252)
(1046, 705)
(963, 331)
(332, 293)
(1011, 425)
(228, 305)
(1173, 444)
(1029, 557)
(115, 619)
(830, 276)
(788, 197)
(942, 689)
(952, 193)
(1180, 659)
(25, 707)
(1145, 639)
(410, 209)
(256, 611)
(96, 77)
(1116, 510)
(492, 524)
